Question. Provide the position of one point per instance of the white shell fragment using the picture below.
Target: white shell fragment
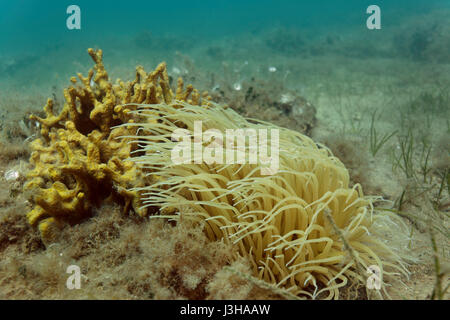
(12, 175)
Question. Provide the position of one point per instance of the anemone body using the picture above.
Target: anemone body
(302, 228)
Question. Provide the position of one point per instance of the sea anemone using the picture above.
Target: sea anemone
(302, 228)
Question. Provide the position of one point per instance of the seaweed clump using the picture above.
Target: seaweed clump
(426, 42)
(78, 160)
(270, 101)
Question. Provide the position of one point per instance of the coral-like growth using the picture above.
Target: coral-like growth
(78, 161)
(303, 228)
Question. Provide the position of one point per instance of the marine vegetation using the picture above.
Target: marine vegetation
(303, 228)
(78, 161)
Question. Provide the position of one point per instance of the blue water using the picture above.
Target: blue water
(36, 44)
(27, 25)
